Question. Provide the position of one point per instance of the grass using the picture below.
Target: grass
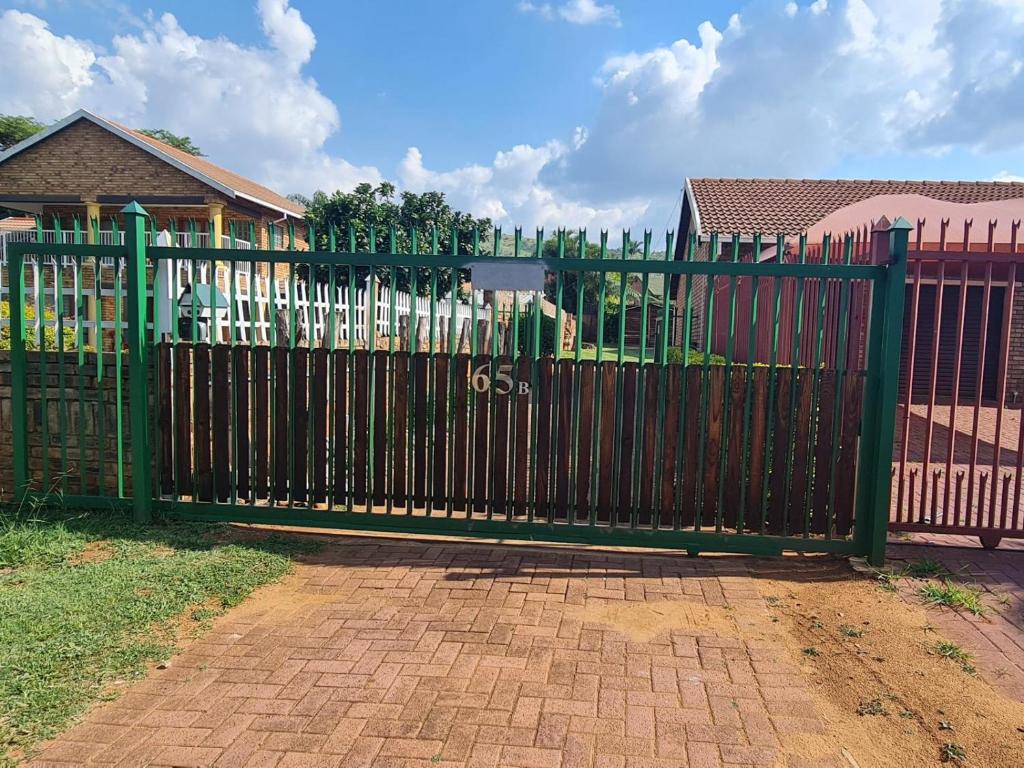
(91, 600)
(847, 631)
(954, 652)
(872, 707)
(953, 753)
(953, 596)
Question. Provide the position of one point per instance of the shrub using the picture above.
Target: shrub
(31, 341)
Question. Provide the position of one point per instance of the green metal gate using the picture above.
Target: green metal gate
(455, 393)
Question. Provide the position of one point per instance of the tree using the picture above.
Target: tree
(428, 214)
(184, 143)
(16, 128)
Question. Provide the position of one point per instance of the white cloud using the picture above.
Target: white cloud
(1007, 176)
(583, 12)
(210, 89)
(797, 91)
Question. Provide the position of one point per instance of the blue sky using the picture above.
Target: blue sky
(565, 112)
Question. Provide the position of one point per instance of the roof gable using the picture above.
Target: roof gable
(792, 206)
(224, 181)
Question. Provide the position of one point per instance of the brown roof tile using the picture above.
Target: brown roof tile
(228, 178)
(791, 206)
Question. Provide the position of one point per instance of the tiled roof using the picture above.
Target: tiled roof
(228, 178)
(791, 206)
(17, 223)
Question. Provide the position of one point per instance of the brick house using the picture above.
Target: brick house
(792, 207)
(88, 167)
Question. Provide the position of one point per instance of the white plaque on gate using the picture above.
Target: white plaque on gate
(525, 275)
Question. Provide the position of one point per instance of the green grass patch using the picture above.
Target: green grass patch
(926, 569)
(73, 625)
(953, 596)
(954, 652)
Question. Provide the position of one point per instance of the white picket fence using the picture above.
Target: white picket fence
(259, 301)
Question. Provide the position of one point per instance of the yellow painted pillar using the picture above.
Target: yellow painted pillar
(216, 214)
(92, 311)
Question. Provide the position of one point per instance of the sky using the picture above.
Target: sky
(540, 113)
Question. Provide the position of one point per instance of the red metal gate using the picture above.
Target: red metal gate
(959, 441)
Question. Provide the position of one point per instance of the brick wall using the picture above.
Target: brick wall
(84, 159)
(81, 434)
(1015, 366)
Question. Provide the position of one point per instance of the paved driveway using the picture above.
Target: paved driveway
(401, 653)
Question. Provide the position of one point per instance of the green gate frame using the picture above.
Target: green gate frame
(888, 275)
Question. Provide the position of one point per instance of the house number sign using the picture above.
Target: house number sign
(503, 382)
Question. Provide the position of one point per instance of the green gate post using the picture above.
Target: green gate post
(889, 372)
(138, 365)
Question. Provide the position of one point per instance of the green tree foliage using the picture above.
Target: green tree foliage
(32, 342)
(184, 143)
(428, 213)
(16, 128)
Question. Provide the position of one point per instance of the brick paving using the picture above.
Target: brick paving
(997, 638)
(403, 653)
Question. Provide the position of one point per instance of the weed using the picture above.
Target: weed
(847, 631)
(772, 600)
(952, 753)
(888, 580)
(954, 596)
(811, 651)
(871, 707)
(954, 652)
(926, 569)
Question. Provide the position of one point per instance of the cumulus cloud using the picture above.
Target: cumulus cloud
(794, 89)
(206, 88)
(583, 12)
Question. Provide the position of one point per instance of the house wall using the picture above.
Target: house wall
(86, 160)
(1015, 366)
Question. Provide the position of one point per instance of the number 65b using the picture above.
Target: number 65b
(504, 383)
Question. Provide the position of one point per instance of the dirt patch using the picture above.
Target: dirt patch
(278, 602)
(886, 695)
(94, 552)
(643, 621)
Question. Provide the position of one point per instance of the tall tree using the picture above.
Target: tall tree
(429, 214)
(16, 128)
(184, 143)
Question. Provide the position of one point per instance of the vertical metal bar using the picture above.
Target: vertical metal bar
(819, 336)
(371, 377)
(773, 374)
(453, 305)
(640, 416)
(705, 388)
(556, 380)
(80, 316)
(1004, 359)
(432, 345)
(755, 291)
(955, 394)
(350, 411)
(691, 247)
(597, 426)
(58, 307)
(841, 364)
(798, 323)
(101, 432)
(332, 346)
(39, 276)
(118, 368)
(574, 437)
(491, 391)
(535, 347)
(934, 374)
(413, 350)
(915, 300)
(253, 307)
(392, 332)
(730, 351)
(976, 518)
(232, 341)
(661, 359)
(620, 383)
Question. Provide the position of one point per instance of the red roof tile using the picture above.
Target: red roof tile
(791, 206)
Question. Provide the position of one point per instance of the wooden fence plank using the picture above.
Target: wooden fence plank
(339, 440)
(500, 470)
(584, 457)
(399, 446)
(734, 449)
(380, 426)
(481, 441)
(691, 436)
(758, 436)
(183, 416)
(670, 429)
(221, 423)
(281, 423)
(420, 364)
(563, 447)
(261, 407)
(460, 424)
(165, 416)
(361, 426)
(780, 450)
(846, 472)
(542, 456)
(649, 442)
(801, 452)
(300, 425)
(201, 391)
(521, 402)
(318, 409)
(628, 372)
(439, 488)
(713, 446)
(823, 448)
